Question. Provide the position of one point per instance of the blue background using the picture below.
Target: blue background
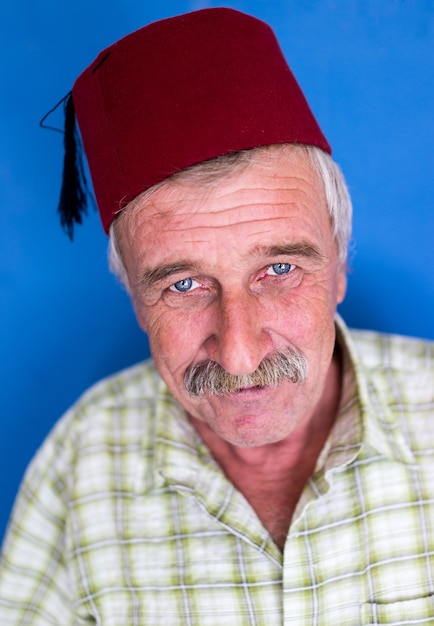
(367, 68)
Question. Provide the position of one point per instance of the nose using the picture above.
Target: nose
(239, 340)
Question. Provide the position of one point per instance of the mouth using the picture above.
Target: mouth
(248, 388)
(248, 392)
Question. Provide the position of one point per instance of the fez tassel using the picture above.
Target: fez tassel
(74, 192)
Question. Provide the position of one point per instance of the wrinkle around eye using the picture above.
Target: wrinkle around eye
(195, 299)
(276, 285)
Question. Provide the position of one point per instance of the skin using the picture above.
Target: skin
(228, 238)
(232, 238)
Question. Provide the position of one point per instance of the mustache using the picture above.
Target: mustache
(210, 376)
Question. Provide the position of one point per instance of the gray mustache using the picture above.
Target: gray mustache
(209, 376)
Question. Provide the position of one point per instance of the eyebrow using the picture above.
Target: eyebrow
(300, 249)
(153, 276)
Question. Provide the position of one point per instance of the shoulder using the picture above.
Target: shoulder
(399, 374)
(130, 391)
(137, 383)
(399, 368)
(382, 350)
(118, 410)
(109, 432)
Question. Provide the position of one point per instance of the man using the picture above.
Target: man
(268, 466)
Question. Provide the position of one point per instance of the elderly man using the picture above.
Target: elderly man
(268, 466)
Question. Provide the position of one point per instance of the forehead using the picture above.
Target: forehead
(258, 184)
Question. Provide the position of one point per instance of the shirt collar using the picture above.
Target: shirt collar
(364, 401)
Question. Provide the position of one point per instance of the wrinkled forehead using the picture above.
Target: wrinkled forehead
(214, 175)
(251, 185)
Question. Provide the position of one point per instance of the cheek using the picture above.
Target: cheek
(174, 338)
(322, 296)
(141, 317)
(306, 317)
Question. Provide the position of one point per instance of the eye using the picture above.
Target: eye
(185, 285)
(279, 269)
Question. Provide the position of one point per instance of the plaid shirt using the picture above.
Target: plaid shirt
(125, 519)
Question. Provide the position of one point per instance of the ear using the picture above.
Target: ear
(342, 281)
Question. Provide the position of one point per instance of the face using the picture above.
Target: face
(232, 272)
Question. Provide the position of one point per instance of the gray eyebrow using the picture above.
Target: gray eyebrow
(303, 249)
(151, 277)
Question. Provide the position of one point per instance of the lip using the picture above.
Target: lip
(250, 389)
(248, 394)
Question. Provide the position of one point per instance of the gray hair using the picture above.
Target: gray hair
(208, 172)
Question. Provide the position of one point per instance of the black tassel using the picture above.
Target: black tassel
(74, 192)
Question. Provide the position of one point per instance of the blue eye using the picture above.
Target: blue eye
(183, 285)
(281, 268)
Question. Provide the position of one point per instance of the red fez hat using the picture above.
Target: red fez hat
(184, 90)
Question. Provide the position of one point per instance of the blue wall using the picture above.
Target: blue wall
(367, 67)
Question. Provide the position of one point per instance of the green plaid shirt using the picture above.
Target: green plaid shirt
(124, 518)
